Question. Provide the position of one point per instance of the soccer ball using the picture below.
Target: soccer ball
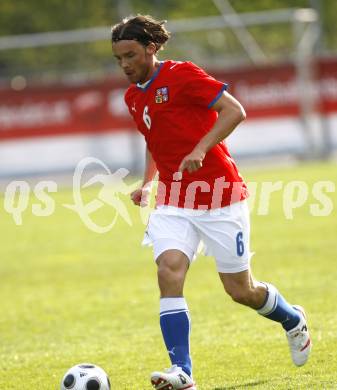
(85, 376)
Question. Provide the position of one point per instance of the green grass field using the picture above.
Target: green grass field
(69, 295)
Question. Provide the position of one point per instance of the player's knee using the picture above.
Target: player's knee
(170, 269)
(169, 274)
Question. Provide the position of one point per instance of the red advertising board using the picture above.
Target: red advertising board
(269, 91)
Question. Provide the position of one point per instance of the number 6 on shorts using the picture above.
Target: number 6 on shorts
(240, 247)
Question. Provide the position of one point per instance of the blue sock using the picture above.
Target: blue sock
(276, 308)
(175, 326)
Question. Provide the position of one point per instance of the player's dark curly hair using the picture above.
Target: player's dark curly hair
(141, 28)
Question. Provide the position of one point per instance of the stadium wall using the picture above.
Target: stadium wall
(50, 128)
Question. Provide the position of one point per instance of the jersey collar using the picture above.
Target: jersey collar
(143, 87)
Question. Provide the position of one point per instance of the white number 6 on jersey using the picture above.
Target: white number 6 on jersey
(146, 117)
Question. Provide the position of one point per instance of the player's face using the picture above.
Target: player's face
(136, 60)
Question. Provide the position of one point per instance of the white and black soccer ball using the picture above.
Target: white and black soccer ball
(85, 376)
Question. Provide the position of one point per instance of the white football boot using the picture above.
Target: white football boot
(173, 378)
(299, 340)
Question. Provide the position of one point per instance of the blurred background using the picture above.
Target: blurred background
(61, 92)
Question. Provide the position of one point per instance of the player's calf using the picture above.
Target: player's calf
(242, 289)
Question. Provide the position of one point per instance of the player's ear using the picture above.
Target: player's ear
(151, 48)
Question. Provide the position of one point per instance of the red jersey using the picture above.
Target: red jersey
(173, 111)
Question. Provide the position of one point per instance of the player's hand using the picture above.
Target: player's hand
(193, 161)
(141, 196)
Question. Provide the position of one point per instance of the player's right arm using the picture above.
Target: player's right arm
(141, 196)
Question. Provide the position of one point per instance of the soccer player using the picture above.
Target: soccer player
(185, 116)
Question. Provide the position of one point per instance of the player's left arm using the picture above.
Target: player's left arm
(231, 113)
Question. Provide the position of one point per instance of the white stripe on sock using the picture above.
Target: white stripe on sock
(271, 303)
(167, 313)
(174, 303)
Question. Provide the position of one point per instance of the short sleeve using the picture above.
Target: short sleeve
(127, 101)
(198, 87)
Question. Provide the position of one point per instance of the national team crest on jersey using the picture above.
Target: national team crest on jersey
(162, 95)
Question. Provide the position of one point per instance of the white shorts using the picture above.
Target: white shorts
(224, 233)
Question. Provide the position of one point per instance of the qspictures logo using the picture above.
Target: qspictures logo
(113, 185)
(113, 188)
